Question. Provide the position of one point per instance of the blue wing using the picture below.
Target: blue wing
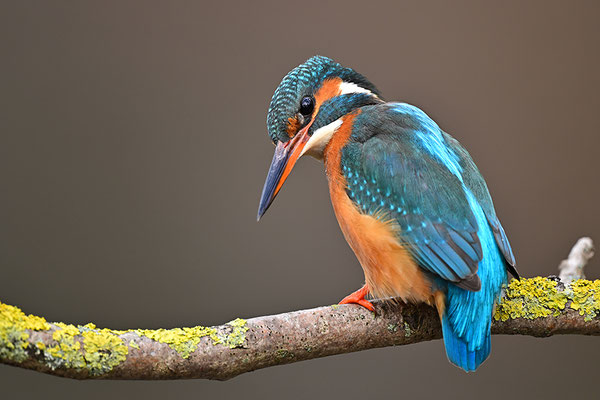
(475, 182)
(401, 163)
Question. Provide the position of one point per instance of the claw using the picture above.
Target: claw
(358, 297)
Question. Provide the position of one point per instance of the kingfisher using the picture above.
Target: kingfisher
(408, 198)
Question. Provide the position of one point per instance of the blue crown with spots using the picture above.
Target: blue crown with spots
(302, 81)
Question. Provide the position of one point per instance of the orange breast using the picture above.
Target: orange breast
(389, 269)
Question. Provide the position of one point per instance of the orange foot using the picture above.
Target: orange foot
(358, 297)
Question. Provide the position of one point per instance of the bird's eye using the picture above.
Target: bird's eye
(307, 105)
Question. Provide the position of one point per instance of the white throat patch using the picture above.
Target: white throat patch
(319, 139)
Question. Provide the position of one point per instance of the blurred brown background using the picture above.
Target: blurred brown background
(133, 150)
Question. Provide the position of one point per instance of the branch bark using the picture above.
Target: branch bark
(538, 307)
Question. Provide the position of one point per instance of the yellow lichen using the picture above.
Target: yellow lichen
(543, 297)
(66, 331)
(99, 350)
(103, 350)
(585, 298)
(237, 336)
(185, 340)
(66, 352)
(13, 331)
(182, 340)
(531, 298)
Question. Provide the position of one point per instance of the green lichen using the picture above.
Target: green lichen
(134, 345)
(14, 325)
(585, 298)
(284, 353)
(407, 330)
(542, 297)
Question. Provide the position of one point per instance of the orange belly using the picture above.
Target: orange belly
(389, 269)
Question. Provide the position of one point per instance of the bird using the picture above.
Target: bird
(408, 197)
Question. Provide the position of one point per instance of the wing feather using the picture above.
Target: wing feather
(402, 165)
(424, 198)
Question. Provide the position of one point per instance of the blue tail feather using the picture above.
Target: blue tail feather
(466, 322)
(457, 349)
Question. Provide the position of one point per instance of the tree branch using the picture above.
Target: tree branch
(538, 307)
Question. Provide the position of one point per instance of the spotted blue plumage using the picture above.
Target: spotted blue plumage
(399, 163)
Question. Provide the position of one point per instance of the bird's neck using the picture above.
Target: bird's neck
(340, 106)
(332, 114)
(332, 154)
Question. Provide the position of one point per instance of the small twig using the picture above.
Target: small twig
(572, 268)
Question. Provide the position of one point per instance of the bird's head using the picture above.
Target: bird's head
(305, 112)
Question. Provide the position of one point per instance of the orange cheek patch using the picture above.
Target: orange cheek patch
(330, 88)
(293, 126)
